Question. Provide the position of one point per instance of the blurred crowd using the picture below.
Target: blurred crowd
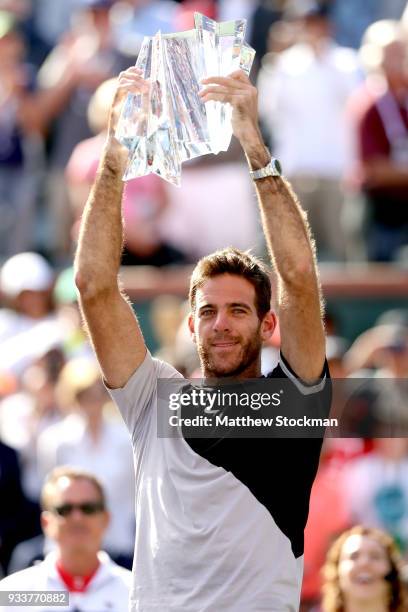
(333, 91)
(334, 115)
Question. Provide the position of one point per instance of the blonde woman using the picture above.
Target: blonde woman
(362, 574)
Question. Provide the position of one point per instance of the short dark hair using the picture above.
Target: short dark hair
(239, 263)
(72, 473)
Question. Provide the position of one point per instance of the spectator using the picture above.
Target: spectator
(352, 17)
(41, 23)
(25, 112)
(91, 439)
(383, 349)
(187, 8)
(166, 315)
(375, 488)
(86, 56)
(335, 351)
(395, 316)
(29, 325)
(260, 15)
(75, 517)
(376, 387)
(302, 96)
(18, 518)
(18, 144)
(282, 35)
(26, 282)
(185, 350)
(50, 20)
(135, 19)
(26, 414)
(383, 144)
(363, 572)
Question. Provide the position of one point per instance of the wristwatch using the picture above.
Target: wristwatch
(273, 168)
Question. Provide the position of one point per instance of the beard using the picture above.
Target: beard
(217, 366)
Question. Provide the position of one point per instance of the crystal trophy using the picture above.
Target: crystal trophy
(169, 123)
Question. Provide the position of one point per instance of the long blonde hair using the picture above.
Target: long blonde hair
(332, 600)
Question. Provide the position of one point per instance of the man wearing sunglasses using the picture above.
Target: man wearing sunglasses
(74, 518)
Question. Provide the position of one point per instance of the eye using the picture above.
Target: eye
(206, 312)
(238, 310)
(376, 557)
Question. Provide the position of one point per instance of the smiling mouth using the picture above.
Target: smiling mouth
(224, 344)
(364, 579)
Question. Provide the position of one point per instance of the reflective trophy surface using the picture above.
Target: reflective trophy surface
(169, 123)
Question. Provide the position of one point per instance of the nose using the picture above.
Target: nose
(76, 514)
(222, 322)
(363, 561)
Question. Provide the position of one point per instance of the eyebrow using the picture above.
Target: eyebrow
(229, 305)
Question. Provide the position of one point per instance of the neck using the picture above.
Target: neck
(319, 46)
(398, 90)
(79, 563)
(94, 426)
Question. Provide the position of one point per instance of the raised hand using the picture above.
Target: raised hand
(237, 90)
(129, 81)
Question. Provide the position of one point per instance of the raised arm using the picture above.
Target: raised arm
(111, 323)
(286, 231)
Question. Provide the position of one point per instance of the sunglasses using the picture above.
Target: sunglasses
(87, 508)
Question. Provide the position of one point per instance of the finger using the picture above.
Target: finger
(225, 81)
(214, 89)
(123, 80)
(131, 69)
(133, 83)
(130, 73)
(240, 75)
(126, 76)
(223, 97)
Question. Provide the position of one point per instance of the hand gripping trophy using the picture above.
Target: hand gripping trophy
(169, 123)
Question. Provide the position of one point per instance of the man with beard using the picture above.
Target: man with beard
(220, 525)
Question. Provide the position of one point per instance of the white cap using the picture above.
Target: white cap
(25, 271)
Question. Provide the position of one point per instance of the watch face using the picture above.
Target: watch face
(277, 166)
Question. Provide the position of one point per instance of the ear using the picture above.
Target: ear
(191, 327)
(106, 519)
(268, 325)
(45, 521)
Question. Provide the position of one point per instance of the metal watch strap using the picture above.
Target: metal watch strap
(273, 168)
